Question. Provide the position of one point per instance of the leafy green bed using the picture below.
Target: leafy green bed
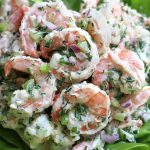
(9, 140)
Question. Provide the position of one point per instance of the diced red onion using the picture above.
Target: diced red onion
(83, 145)
(126, 104)
(75, 48)
(109, 138)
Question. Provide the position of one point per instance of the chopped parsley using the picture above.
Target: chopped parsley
(48, 43)
(80, 110)
(64, 118)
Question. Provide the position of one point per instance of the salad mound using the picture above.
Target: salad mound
(74, 79)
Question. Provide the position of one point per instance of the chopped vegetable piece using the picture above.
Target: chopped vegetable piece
(3, 26)
(44, 68)
(83, 46)
(119, 116)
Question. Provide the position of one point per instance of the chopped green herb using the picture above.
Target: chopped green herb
(59, 28)
(64, 118)
(130, 79)
(83, 24)
(37, 35)
(89, 56)
(48, 43)
(28, 85)
(75, 130)
(61, 81)
(62, 61)
(80, 110)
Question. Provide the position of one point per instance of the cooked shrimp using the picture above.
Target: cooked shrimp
(43, 92)
(120, 69)
(86, 107)
(17, 12)
(133, 102)
(138, 40)
(133, 111)
(120, 18)
(75, 54)
(96, 25)
(42, 18)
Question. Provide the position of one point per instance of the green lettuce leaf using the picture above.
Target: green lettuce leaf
(142, 6)
(10, 137)
(73, 4)
(6, 146)
(127, 146)
(144, 133)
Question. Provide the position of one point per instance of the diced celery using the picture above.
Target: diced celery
(28, 85)
(64, 118)
(83, 24)
(119, 116)
(44, 68)
(83, 46)
(36, 36)
(115, 103)
(3, 26)
(35, 1)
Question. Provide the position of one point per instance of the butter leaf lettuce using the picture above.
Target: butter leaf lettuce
(9, 140)
(127, 146)
(142, 6)
(144, 133)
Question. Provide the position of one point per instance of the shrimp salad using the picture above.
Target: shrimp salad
(77, 80)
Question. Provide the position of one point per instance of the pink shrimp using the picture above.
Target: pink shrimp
(97, 27)
(46, 83)
(73, 55)
(42, 18)
(96, 101)
(16, 14)
(120, 65)
(133, 102)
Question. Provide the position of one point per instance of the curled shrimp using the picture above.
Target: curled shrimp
(121, 19)
(135, 111)
(96, 25)
(73, 54)
(133, 102)
(42, 18)
(17, 11)
(44, 89)
(86, 107)
(121, 69)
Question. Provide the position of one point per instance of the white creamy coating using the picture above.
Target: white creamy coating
(82, 99)
(58, 3)
(38, 131)
(139, 76)
(100, 30)
(84, 74)
(46, 94)
(5, 8)
(144, 35)
(11, 43)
